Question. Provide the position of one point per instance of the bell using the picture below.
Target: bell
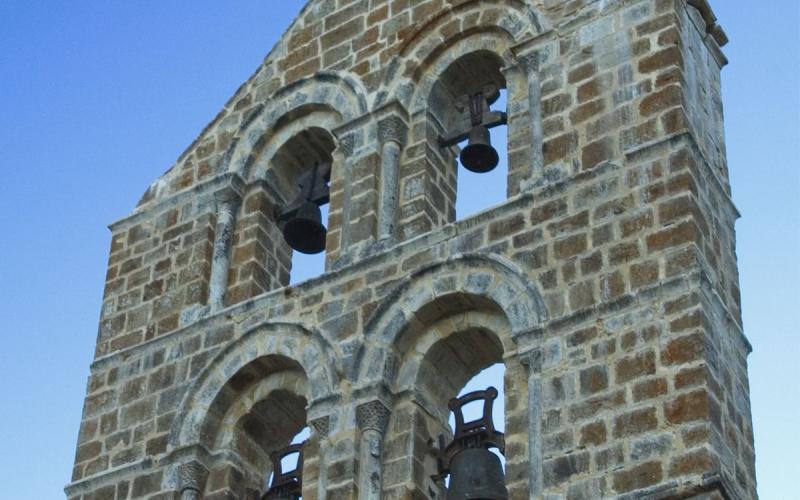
(476, 473)
(479, 156)
(304, 232)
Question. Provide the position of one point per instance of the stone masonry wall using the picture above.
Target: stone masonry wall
(606, 283)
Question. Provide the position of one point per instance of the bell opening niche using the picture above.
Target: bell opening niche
(471, 443)
(260, 412)
(305, 162)
(468, 113)
(468, 363)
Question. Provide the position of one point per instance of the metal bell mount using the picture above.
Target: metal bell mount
(302, 219)
(478, 156)
(286, 485)
(475, 472)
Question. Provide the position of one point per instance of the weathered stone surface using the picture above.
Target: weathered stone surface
(606, 283)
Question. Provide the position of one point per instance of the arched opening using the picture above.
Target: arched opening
(301, 173)
(260, 410)
(270, 425)
(454, 345)
(477, 192)
(470, 92)
(280, 169)
(291, 462)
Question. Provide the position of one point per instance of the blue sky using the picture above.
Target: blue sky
(99, 98)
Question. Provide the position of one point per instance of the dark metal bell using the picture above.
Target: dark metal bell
(479, 156)
(304, 232)
(476, 473)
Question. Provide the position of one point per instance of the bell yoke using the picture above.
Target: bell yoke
(478, 156)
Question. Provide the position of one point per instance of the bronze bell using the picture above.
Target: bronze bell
(304, 232)
(479, 156)
(477, 118)
(302, 218)
(476, 473)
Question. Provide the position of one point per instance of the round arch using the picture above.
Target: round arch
(258, 168)
(309, 351)
(341, 98)
(466, 282)
(293, 382)
(495, 28)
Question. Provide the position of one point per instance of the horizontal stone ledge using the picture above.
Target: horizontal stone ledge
(110, 476)
(673, 490)
(209, 187)
(274, 297)
(640, 298)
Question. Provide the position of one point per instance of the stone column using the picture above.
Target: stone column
(321, 427)
(533, 362)
(344, 169)
(228, 200)
(192, 479)
(372, 419)
(530, 65)
(392, 133)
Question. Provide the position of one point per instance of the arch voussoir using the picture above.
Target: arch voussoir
(312, 353)
(484, 280)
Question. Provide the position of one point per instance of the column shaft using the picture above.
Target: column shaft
(390, 165)
(220, 262)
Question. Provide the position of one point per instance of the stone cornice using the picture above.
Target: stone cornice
(110, 476)
(219, 183)
(699, 278)
(712, 28)
(712, 34)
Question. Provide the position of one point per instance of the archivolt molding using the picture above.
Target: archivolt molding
(409, 368)
(341, 97)
(486, 40)
(479, 278)
(291, 381)
(433, 47)
(258, 166)
(309, 349)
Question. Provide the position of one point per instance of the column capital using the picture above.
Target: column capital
(392, 128)
(533, 360)
(373, 415)
(229, 196)
(192, 477)
(529, 61)
(321, 426)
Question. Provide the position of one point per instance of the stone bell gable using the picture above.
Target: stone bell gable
(606, 283)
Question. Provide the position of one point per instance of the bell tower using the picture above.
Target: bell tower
(605, 283)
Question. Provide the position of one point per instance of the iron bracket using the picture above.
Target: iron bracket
(476, 110)
(313, 187)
